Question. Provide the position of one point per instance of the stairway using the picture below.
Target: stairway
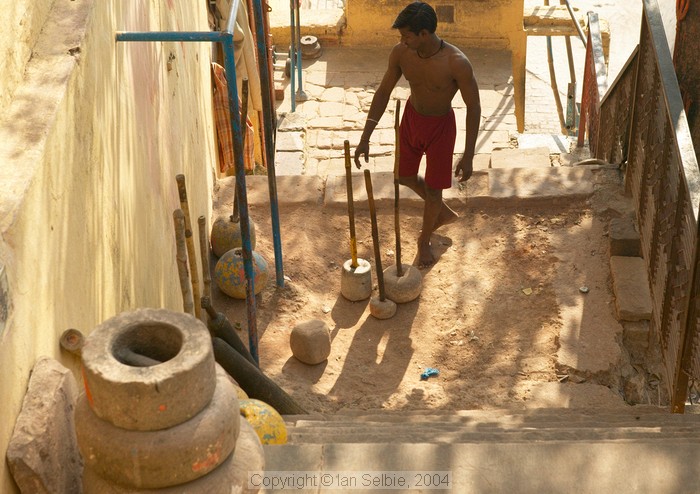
(630, 449)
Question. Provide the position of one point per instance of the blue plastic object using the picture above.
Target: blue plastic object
(430, 371)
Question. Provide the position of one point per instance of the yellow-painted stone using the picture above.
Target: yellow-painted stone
(242, 395)
(229, 273)
(267, 422)
(226, 235)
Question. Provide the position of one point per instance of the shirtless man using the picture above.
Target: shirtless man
(435, 70)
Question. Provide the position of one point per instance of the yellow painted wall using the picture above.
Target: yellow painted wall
(21, 24)
(89, 148)
(477, 23)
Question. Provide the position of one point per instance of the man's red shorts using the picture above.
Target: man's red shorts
(432, 136)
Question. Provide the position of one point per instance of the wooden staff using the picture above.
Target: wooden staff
(191, 254)
(220, 327)
(185, 288)
(397, 224)
(252, 380)
(375, 235)
(204, 253)
(351, 206)
(235, 217)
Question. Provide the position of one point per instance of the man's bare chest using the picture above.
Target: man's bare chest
(429, 77)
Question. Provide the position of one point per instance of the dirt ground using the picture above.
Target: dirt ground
(488, 317)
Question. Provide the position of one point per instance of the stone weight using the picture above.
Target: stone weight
(163, 458)
(404, 288)
(226, 235)
(356, 283)
(149, 397)
(230, 476)
(382, 309)
(229, 273)
(266, 421)
(310, 341)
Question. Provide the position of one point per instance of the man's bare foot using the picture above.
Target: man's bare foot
(425, 254)
(446, 216)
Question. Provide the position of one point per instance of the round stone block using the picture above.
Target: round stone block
(382, 309)
(226, 235)
(229, 273)
(155, 459)
(405, 288)
(310, 341)
(356, 283)
(266, 421)
(231, 476)
(152, 397)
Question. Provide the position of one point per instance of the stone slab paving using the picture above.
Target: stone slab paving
(520, 158)
(632, 300)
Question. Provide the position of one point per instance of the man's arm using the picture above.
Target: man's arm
(468, 87)
(379, 103)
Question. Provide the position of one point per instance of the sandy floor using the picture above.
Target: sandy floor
(488, 318)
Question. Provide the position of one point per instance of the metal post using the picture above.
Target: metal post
(292, 54)
(241, 193)
(300, 91)
(265, 78)
(226, 39)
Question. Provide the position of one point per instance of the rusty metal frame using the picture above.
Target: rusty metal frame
(639, 122)
(594, 85)
(616, 114)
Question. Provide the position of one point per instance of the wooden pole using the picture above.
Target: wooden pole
(397, 223)
(351, 206)
(191, 253)
(251, 379)
(235, 218)
(204, 253)
(375, 235)
(181, 257)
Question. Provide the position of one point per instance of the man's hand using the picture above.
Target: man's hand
(361, 149)
(464, 168)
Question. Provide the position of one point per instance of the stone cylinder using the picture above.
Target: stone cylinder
(356, 283)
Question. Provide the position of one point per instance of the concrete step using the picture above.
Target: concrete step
(637, 423)
(534, 467)
(625, 449)
(540, 417)
(409, 435)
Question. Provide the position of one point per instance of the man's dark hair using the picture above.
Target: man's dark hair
(416, 17)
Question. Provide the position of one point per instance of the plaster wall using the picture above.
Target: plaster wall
(19, 31)
(90, 145)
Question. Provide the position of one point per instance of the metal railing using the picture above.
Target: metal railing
(225, 37)
(646, 129)
(568, 123)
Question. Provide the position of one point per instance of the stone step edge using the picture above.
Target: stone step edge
(496, 186)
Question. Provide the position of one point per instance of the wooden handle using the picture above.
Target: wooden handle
(397, 123)
(351, 205)
(397, 223)
(204, 253)
(181, 249)
(375, 235)
(191, 253)
(244, 126)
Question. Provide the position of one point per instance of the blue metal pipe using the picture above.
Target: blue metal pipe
(298, 43)
(292, 55)
(170, 36)
(241, 193)
(226, 39)
(270, 124)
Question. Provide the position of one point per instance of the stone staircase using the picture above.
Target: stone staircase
(621, 449)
